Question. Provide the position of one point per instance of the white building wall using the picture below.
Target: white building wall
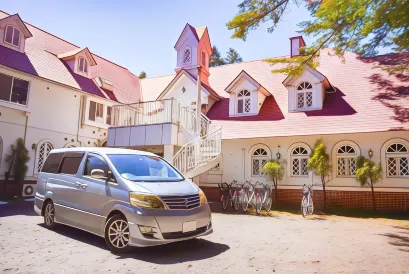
(236, 163)
(53, 114)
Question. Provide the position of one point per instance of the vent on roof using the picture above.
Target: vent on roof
(104, 83)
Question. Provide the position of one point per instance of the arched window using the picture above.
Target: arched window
(12, 36)
(82, 65)
(299, 160)
(258, 159)
(346, 161)
(304, 95)
(187, 55)
(42, 152)
(397, 160)
(244, 101)
(204, 55)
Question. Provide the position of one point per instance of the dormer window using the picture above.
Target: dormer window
(82, 65)
(304, 95)
(187, 55)
(243, 102)
(12, 36)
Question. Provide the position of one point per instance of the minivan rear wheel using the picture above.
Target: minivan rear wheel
(49, 215)
(117, 234)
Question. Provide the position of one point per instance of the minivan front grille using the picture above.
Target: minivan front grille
(182, 202)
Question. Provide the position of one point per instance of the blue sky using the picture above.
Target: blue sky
(140, 35)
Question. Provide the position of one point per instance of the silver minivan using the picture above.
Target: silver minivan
(129, 197)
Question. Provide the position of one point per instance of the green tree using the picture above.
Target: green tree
(320, 163)
(368, 173)
(275, 171)
(362, 26)
(233, 57)
(142, 75)
(216, 58)
(18, 160)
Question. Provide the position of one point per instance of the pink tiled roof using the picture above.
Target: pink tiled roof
(367, 99)
(40, 59)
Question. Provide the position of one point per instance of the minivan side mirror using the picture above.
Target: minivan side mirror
(98, 174)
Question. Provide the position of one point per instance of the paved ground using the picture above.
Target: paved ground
(281, 243)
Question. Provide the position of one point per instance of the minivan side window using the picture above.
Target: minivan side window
(52, 163)
(95, 162)
(71, 162)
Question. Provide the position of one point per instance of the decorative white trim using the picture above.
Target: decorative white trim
(258, 158)
(384, 156)
(291, 157)
(43, 157)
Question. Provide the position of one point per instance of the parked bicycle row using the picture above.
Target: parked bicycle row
(257, 195)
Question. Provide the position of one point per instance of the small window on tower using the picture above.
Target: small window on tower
(204, 59)
(187, 55)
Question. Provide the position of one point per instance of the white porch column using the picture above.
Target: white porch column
(168, 152)
(199, 103)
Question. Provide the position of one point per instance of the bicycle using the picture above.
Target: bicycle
(266, 199)
(307, 206)
(238, 189)
(227, 195)
(250, 196)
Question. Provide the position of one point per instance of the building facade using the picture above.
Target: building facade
(58, 94)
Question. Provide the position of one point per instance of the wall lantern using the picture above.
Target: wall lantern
(370, 153)
(278, 155)
(33, 146)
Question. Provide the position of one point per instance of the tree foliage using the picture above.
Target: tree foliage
(320, 163)
(275, 171)
(142, 75)
(368, 173)
(216, 59)
(18, 160)
(361, 26)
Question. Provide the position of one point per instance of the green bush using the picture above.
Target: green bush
(18, 160)
(368, 173)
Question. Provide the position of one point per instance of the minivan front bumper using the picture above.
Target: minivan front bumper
(167, 225)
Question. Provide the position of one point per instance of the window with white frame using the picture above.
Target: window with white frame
(346, 161)
(96, 112)
(304, 95)
(299, 161)
(43, 151)
(82, 65)
(258, 159)
(12, 36)
(187, 55)
(397, 160)
(13, 90)
(243, 101)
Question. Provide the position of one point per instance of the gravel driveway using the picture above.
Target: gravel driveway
(240, 244)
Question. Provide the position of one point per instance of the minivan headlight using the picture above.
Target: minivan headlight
(203, 199)
(146, 200)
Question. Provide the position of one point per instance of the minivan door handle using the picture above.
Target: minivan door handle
(77, 184)
(84, 186)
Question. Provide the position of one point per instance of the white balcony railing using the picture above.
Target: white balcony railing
(158, 112)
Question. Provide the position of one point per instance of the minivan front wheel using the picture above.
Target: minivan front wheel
(117, 234)
(49, 215)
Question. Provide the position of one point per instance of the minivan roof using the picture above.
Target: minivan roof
(103, 150)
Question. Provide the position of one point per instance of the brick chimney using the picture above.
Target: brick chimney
(296, 43)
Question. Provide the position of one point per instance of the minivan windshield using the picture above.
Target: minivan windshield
(144, 168)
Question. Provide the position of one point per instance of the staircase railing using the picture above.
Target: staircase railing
(199, 151)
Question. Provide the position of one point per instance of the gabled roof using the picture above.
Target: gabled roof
(72, 53)
(197, 32)
(200, 31)
(40, 60)
(20, 23)
(206, 87)
(244, 74)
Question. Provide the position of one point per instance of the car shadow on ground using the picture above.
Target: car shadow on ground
(400, 238)
(18, 208)
(190, 250)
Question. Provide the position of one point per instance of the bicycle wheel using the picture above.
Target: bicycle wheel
(259, 204)
(268, 203)
(245, 202)
(311, 208)
(304, 206)
(225, 202)
(236, 201)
